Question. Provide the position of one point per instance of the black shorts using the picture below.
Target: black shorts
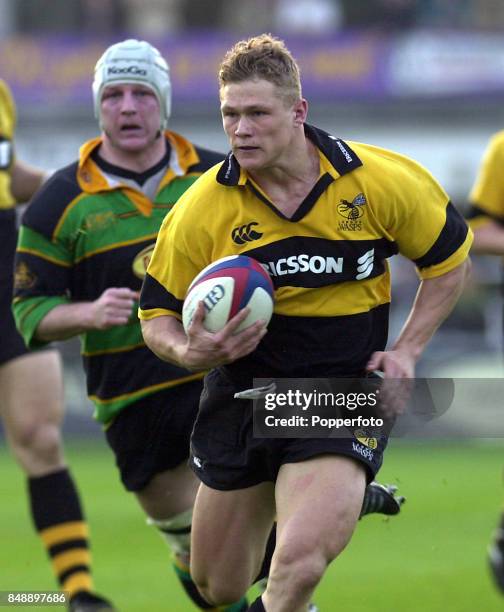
(11, 342)
(152, 435)
(226, 456)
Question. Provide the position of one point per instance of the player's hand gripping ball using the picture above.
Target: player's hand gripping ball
(225, 287)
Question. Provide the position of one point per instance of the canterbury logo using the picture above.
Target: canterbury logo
(245, 233)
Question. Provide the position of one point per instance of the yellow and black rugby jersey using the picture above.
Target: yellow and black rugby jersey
(328, 262)
(7, 126)
(487, 194)
(82, 235)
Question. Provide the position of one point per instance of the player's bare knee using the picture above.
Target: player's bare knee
(220, 592)
(168, 495)
(216, 588)
(42, 444)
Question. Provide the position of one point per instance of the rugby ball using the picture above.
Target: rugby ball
(225, 287)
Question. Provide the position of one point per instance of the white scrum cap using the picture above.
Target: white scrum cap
(134, 61)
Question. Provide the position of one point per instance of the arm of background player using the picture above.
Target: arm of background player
(435, 299)
(488, 238)
(114, 307)
(25, 180)
(200, 349)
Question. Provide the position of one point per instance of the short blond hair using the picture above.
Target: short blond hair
(262, 57)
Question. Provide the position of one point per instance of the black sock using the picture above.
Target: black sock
(257, 606)
(58, 517)
(182, 572)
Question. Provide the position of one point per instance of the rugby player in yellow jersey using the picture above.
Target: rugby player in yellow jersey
(327, 216)
(80, 262)
(486, 217)
(31, 398)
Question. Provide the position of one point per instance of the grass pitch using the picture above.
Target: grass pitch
(431, 558)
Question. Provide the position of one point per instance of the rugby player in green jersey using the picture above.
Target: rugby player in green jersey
(31, 397)
(312, 198)
(82, 253)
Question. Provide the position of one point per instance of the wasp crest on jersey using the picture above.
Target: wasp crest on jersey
(352, 212)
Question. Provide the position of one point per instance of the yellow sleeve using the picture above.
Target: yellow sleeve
(177, 258)
(488, 190)
(7, 127)
(423, 222)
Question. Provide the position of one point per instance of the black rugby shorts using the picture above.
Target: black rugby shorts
(11, 342)
(226, 456)
(152, 435)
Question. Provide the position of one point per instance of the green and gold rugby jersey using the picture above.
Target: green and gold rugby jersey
(487, 194)
(84, 233)
(328, 262)
(7, 126)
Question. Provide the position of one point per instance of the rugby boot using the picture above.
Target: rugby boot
(381, 499)
(84, 601)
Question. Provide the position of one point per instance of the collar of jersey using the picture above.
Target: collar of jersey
(92, 180)
(336, 158)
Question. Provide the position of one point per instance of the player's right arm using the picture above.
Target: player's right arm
(200, 349)
(45, 305)
(113, 307)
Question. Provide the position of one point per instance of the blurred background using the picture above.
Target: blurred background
(423, 77)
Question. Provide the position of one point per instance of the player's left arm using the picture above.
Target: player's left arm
(199, 349)
(435, 299)
(429, 231)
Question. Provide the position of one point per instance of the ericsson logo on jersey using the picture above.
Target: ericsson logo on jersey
(317, 264)
(131, 70)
